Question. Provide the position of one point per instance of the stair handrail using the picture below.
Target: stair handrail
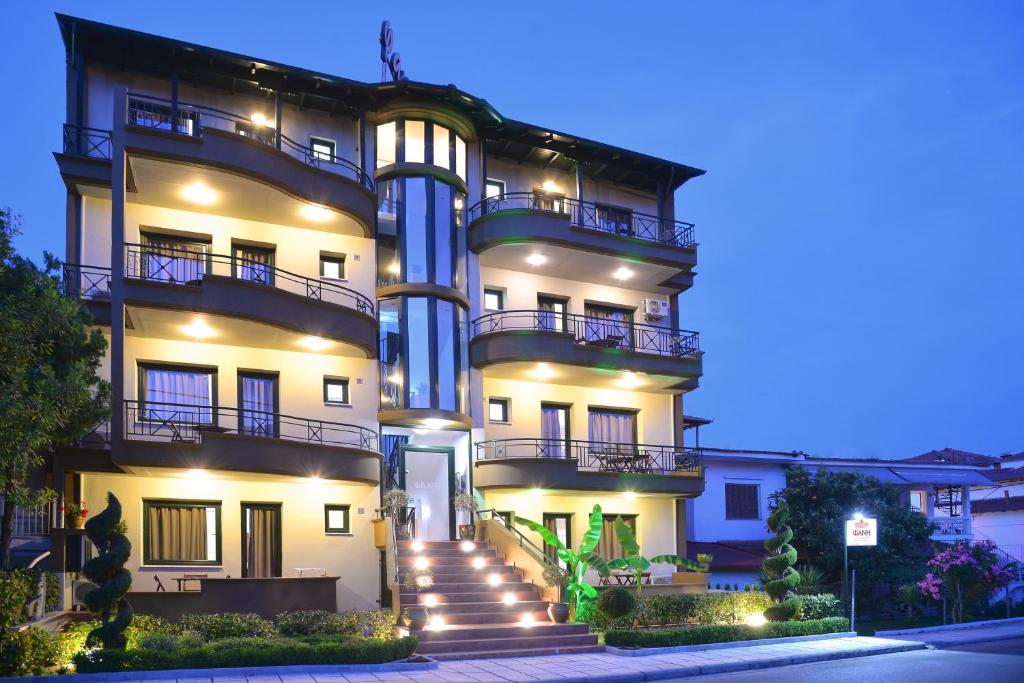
(525, 543)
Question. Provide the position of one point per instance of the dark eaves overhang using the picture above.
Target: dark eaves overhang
(206, 66)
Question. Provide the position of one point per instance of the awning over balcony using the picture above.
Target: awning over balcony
(882, 474)
(940, 476)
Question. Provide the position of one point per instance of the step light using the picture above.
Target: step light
(510, 599)
(436, 622)
(527, 620)
(478, 563)
(430, 600)
(417, 546)
(421, 563)
(494, 579)
(467, 546)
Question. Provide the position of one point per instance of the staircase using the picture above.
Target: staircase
(476, 616)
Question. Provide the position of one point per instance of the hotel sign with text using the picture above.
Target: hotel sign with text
(391, 59)
(861, 531)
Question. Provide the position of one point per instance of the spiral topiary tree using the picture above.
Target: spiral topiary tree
(778, 566)
(107, 571)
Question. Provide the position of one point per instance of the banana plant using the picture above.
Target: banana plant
(576, 562)
(633, 561)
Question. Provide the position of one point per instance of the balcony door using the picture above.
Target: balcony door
(254, 264)
(560, 525)
(427, 473)
(554, 430)
(552, 314)
(608, 326)
(258, 396)
(261, 540)
(165, 258)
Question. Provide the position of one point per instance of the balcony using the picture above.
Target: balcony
(224, 438)
(86, 156)
(587, 465)
(195, 134)
(579, 340)
(951, 528)
(90, 284)
(518, 217)
(235, 287)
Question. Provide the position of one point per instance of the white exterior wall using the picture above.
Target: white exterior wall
(352, 557)
(708, 510)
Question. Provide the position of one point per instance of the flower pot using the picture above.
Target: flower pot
(467, 532)
(75, 522)
(415, 617)
(558, 612)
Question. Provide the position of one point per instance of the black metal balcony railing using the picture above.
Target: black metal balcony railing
(87, 142)
(180, 422)
(596, 456)
(600, 332)
(85, 282)
(188, 267)
(592, 216)
(191, 119)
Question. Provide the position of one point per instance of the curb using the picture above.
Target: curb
(232, 672)
(950, 627)
(651, 651)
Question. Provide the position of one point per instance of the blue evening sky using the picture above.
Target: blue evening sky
(861, 287)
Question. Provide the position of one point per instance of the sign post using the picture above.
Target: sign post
(860, 531)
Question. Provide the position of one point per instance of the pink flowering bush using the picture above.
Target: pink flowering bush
(967, 573)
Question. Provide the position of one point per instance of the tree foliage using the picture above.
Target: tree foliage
(820, 503)
(633, 561)
(49, 390)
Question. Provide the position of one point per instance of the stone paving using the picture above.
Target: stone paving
(964, 636)
(602, 666)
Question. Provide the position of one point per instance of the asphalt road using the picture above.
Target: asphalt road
(996, 662)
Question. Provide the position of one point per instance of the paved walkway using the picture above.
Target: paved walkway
(604, 667)
(964, 636)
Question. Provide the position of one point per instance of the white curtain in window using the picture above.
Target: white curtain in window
(552, 432)
(167, 259)
(178, 395)
(258, 406)
(254, 265)
(608, 427)
(607, 324)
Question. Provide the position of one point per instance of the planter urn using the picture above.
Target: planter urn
(75, 521)
(415, 617)
(467, 532)
(558, 612)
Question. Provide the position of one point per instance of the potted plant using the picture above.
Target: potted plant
(466, 502)
(556, 577)
(415, 616)
(396, 502)
(705, 559)
(75, 514)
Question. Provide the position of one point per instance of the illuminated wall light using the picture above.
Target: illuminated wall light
(459, 204)
(316, 213)
(543, 371)
(478, 563)
(509, 599)
(467, 546)
(259, 118)
(421, 563)
(417, 546)
(550, 186)
(622, 273)
(198, 329)
(315, 343)
(394, 268)
(430, 601)
(199, 193)
(494, 579)
(536, 259)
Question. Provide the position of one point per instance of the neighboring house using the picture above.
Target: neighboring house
(315, 289)
(728, 521)
(998, 507)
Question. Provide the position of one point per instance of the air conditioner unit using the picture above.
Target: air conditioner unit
(79, 589)
(655, 309)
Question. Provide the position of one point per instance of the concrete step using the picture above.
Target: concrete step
(509, 574)
(504, 654)
(484, 596)
(403, 545)
(489, 618)
(499, 610)
(448, 552)
(472, 587)
(544, 629)
(453, 562)
(432, 647)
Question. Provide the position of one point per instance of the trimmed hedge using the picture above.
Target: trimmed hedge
(241, 652)
(227, 625)
(821, 606)
(725, 633)
(679, 609)
(372, 624)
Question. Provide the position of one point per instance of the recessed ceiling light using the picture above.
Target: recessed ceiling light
(631, 380)
(536, 492)
(629, 495)
(536, 259)
(315, 343)
(542, 371)
(435, 423)
(198, 329)
(197, 474)
(199, 193)
(316, 213)
(259, 118)
(622, 273)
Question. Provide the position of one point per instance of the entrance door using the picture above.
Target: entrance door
(261, 540)
(428, 474)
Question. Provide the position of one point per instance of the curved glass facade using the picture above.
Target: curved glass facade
(424, 354)
(421, 142)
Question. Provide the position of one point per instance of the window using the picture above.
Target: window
(254, 264)
(386, 144)
(415, 144)
(170, 259)
(322, 149)
(609, 547)
(257, 393)
(494, 189)
(608, 326)
(552, 314)
(614, 219)
(180, 532)
(609, 426)
(332, 267)
(948, 501)
(919, 501)
(442, 147)
(554, 430)
(497, 410)
(336, 519)
(264, 134)
(176, 394)
(494, 299)
(336, 391)
(561, 526)
(741, 501)
(460, 157)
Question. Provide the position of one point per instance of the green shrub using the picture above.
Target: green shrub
(26, 652)
(614, 603)
(227, 625)
(53, 596)
(307, 622)
(725, 633)
(160, 642)
(248, 651)
(681, 608)
(72, 638)
(821, 606)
